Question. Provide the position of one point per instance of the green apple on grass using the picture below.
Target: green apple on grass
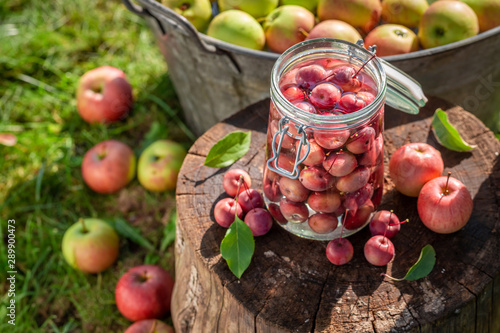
(90, 245)
(256, 8)
(198, 12)
(446, 22)
(159, 165)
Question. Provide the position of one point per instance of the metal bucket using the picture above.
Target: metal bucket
(214, 79)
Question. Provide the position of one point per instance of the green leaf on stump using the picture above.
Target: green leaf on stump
(422, 267)
(237, 247)
(447, 134)
(228, 150)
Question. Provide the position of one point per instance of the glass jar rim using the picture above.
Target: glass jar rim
(296, 113)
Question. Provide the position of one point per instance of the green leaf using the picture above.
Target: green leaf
(156, 132)
(237, 247)
(422, 267)
(447, 134)
(169, 232)
(129, 232)
(228, 150)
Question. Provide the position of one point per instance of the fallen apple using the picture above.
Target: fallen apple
(413, 165)
(444, 205)
(90, 245)
(149, 326)
(144, 292)
(108, 166)
(159, 165)
(104, 95)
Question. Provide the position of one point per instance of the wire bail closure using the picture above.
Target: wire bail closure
(283, 130)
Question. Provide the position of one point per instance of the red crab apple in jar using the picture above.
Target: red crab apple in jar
(444, 205)
(413, 165)
(108, 166)
(144, 292)
(159, 165)
(90, 245)
(149, 326)
(104, 95)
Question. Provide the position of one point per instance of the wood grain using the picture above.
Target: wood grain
(291, 286)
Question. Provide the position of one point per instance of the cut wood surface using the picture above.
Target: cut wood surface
(290, 286)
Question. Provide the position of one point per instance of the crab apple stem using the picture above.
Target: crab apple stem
(84, 228)
(390, 277)
(447, 181)
(342, 229)
(400, 222)
(302, 31)
(359, 70)
(248, 192)
(153, 327)
(331, 166)
(240, 181)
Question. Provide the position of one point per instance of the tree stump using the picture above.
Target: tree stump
(290, 286)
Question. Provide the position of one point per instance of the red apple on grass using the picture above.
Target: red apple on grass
(108, 166)
(404, 12)
(144, 292)
(104, 95)
(198, 12)
(446, 22)
(159, 165)
(90, 245)
(487, 11)
(334, 29)
(363, 14)
(413, 165)
(444, 205)
(392, 39)
(286, 26)
(149, 326)
(238, 28)
(256, 8)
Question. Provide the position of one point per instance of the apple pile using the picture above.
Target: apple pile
(395, 26)
(244, 202)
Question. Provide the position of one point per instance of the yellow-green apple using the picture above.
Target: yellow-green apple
(392, 39)
(239, 28)
(198, 12)
(334, 29)
(286, 26)
(149, 326)
(103, 95)
(144, 292)
(487, 11)
(446, 22)
(90, 245)
(310, 5)
(444, 205)
(159, 165)
(405, 12)
(363, 14)
(413, 165)
(108, 166)
(256, 8)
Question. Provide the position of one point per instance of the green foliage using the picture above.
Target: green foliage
(228, 150)
(45, 46)
(237, 247)
(447, 134)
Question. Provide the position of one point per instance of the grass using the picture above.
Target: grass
(45, 46)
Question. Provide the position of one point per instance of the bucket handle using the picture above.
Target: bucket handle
(178, 19)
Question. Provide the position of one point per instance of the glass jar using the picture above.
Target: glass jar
(324, 169)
